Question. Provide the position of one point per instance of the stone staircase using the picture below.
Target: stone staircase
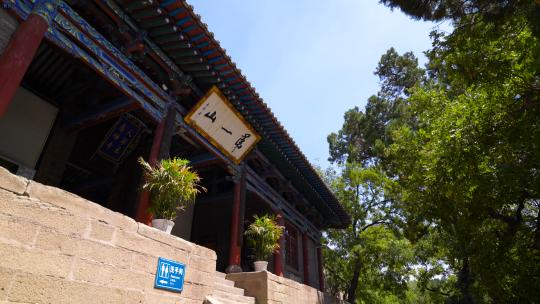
(225, 293)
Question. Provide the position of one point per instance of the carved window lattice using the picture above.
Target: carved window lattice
(291, 246)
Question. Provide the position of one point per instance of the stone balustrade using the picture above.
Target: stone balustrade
(269, 288)
(56, 247)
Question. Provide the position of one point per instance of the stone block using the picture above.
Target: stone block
(200, 277)
(34, 262)
(190, 301)
(204, 252)
(196, 291)
(62, 199)
(103, 253)
(43, 289)
(201, 263)
(280, 297)
(101, 231)
(100, 274)
(279, 288)
(162, 297)
(143, 263)
(12, 182)
(134, 297)
(17, 230)
(255, 284)
(79, 206)
(51, 240)
(41, 213)
(160, 236)
(138, 243)
(116, 219)
(6, 276)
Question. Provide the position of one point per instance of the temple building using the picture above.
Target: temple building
(87, 87)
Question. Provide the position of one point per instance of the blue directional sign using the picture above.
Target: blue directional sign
(170, 275)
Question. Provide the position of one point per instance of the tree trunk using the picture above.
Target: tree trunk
(351, 293)
(464, 282)
(537, 232)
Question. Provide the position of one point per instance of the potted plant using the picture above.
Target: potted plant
(263, 237)
(173, 185)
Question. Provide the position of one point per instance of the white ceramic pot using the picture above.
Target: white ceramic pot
(260, 265)
(163, 225)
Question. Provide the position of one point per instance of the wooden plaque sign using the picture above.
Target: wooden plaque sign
(219, 122)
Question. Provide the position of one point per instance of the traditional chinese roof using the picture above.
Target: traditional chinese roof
(180, 33)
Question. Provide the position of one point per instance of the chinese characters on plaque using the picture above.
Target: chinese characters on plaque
(222, 125)
(170, 275)
(121, 139)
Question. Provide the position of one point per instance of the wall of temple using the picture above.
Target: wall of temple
(30, 118)
(55, 156)
(183, 223)
(56, 247)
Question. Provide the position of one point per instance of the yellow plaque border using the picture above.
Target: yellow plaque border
(189, 120)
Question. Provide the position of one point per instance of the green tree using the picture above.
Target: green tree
(365, 133)
(469, 166)
(369, 261)
(463, 151)
(493, 11)
(370, 193)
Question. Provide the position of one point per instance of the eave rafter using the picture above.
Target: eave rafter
(179, 42)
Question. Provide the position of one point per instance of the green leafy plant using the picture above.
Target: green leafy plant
(172, 184)
(263, 236)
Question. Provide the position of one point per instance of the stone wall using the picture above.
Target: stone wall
(268, 288)
(56, 247)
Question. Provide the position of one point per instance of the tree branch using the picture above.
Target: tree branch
(446, 294)
(377, 222)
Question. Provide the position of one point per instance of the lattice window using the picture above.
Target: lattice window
(291, 246)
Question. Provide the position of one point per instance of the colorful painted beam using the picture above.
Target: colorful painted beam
(119, 62)
(275, 200)
(55, 35)
(110, 110)
(159, 54)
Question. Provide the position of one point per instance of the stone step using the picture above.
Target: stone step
(217, 300)
(234, 298)
(229, 288)
(220, 274)
(224, 281)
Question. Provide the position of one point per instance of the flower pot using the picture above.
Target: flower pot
(260, 265)
(163, 225)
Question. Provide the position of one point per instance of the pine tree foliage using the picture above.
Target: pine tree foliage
(457, 145)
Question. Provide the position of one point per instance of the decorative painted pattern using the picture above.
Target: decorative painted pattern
(106, 60)
(55, 36)
(22, 8)
(154, 47)
(109, 48)
(105, 66)
(46, 9)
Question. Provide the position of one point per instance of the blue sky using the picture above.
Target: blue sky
(311, 60)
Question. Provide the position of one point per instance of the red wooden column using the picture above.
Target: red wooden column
(236, 222)
(21, 49)
(320, 264)
(156, 153)
(278, 256)
(305, 257)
